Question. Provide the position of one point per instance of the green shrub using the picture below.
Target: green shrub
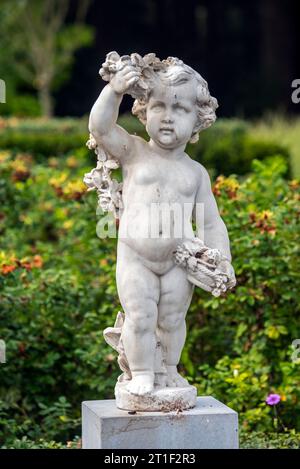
(260, 440)
(58, 293)
(41, 443)
(43, 137)
(225, 148)
(248, 440)
(283, 129)
(21, 106)
(243, 342)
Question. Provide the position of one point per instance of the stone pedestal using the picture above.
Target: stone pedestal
(209, 425)
(159, 400)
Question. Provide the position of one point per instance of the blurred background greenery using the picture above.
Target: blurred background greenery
(57, 279)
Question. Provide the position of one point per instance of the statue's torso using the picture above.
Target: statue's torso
(153, 184)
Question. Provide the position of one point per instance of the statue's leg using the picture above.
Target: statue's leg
(138, 289)
(175, 298)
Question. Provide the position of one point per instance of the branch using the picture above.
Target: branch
(82, 9)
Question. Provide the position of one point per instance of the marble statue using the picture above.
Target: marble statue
(158, 266)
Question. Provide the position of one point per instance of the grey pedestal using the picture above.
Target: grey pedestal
(209, 425)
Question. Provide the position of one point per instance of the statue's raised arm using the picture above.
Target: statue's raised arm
(126, 75)
(103, 118)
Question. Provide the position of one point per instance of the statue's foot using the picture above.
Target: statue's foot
(174, 380)
(141, 383)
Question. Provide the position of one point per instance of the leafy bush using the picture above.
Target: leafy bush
(58, 293)
(248, 440)
(21, 105)
(281, 129)
(43, 137)
(259, 440)
(227, 147)
(243, 342)
(41, 443)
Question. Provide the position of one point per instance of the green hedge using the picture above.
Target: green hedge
(21, 105)
(228, 148)
(225, 148)
(43, 137)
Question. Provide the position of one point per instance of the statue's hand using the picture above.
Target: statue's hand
(124, 79)
(226, 267)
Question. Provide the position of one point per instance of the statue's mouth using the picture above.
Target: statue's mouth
(168, 130)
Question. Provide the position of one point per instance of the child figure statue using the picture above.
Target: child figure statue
(157, 269)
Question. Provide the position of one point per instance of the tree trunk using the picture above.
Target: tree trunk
(45, 101)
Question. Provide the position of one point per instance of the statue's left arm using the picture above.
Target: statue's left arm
(206, 210)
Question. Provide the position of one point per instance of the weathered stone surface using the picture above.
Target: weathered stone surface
(160, 257)
(165, 399)
(209, 425)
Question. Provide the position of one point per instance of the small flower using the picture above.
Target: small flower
(294, 184)
(255, 242)
(26, 265)
(265, 222)
(74, 190)
(4, 155)
(53, 162)
(7, 269)
(72, 162)
(68, 224)
(20, 174)
(109, 66)
(58, 181)
(37, 261)
(110, 357)
(192, 263)
(273, 399)
(92, 180)
(266, 214)
(213, 256)
(181, 256)
(230, 185)
(91, 143)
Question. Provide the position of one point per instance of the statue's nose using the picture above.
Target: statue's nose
(167, 119)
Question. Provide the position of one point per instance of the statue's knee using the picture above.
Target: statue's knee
(171, 322)
(141, 322)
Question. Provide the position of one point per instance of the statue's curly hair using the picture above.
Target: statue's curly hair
(174, 72)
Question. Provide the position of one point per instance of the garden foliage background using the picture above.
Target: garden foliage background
(57, 278)
(58, 288)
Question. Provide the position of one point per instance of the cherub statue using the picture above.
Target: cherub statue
(156, 274)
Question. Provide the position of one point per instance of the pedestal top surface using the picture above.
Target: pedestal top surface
(206, 405)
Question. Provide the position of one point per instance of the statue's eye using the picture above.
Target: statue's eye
(157, 107)
(181, 108)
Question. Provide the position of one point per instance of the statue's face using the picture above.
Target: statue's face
(172, 114)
